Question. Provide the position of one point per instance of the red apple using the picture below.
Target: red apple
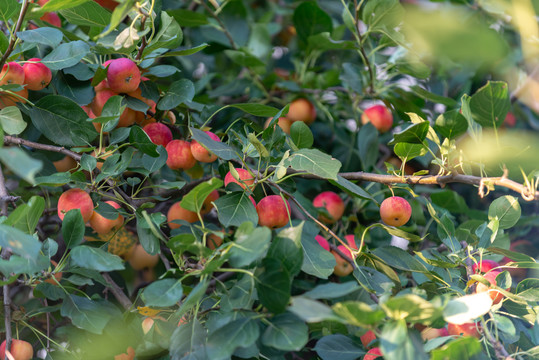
(201, 153)
(510, 120)
(322, 241)
(207, 205)
(75, 199)
(373, 354)
(176, 212)
(395, 211)
(333, 205)
(273, 211)
(467, 329)
(20, 349)
(52, 18)
(159, 133)
(379, 116)
(101, 224)
(12, 73)
(36, 75)
(367, 338)
(433, 333)
(302, 110)
(484, 266)
(495, 295)
(107, 4)
(123, 75)
(179, 155)
(343, 267)
(351, 240)
(244, 175)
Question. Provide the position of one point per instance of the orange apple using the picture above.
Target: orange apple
(282, 122)
(129, 355)
(207, 204)
(495, 295)
(395, 211)
(467, 329)
(176, 212)
(102, 225)
(140, 259)
(12, 73)
(20, 349)
(343, 267)
(302, 110)
(201, 153)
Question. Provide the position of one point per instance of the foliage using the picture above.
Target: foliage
(224, 287)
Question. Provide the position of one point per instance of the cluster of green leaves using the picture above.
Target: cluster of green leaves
(264, 293)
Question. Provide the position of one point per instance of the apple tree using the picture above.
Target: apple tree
(269, 179)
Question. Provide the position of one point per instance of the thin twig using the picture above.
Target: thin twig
(118, 292)
(5, 255)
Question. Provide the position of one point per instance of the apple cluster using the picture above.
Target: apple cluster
(299, 110)
(32, 75)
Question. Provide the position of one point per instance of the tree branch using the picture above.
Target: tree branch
(118, 292)
(5, 255)
(14, 37)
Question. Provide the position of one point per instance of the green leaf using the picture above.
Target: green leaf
(463, 348)
(66, 55)
(25, 217)
(73, 228)
(56, 179)
(316, 260)
(347, 185)
(506, 209)
(407, 151)
(256, 109)
(286, 332)
(413, 134)
(55, 5)
(515, 256)
(315, 162)
(412, 308)
(397, 343)
(382, 14)
(451, 124)
(338, 346)
(309, 20)
(367, 143)
(188, 18)
(323, 41)
(141, 141)
(8, 8)
(170, 35)
(301, 135)
(358, 313)
(249, 245)
(62, 121)
(243, 58)
(44, 35)
(332, 290)
(401, 233)
(287, 248)
(399, 259)
(162, 293)
(22, 164)
(238, 333)
(188, 340)
(184, 52)
(85, 314)
(437, 99)
(147, 233)
(236, 208)
(490, 104)
(95, 259)
(19, 242)
(312, 311)
(194, 200)
(89, 13)
(274, 285)
(180, 92)
(222, 150)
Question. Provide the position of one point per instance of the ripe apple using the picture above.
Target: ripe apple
(101, 224)
(244, 175)
(127, 117)
(66, 164)
(467, 329)
(159, 133)
(129, 355)
(373, 354)
(343, 267)
(201, 153)
(20, 349)
(123, 75)
(12, 73)
(484, 266)
(495, 295)
(302, 110)
(333, 205)
(176, 212)
(36, 75)
(379, 116)
(51, 18)
(273, 211)
(7, 99)
(140, 259)
(107, 4)
(433, 333)
(180, 155)
(351, 240)
(282, 122)
(76, 199)
(395, 211)
(213, 241)
(367, 338)
(322, 242)
(207, 204)
(510, 120)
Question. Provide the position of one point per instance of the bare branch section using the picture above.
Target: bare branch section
(441, 180)
(117, 292)
(5, 255)
(14, 37)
